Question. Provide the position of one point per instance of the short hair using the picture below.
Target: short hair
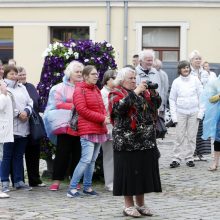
(20, 69)
(122, 74)
(181, 65)
(108, 75)
(10, 61)
(130, 66)
(135, 56)
(146, 53)
(158, 62)
(193, 54)
(87, 70)
(71, 67)
(8, 68)
(1, 63)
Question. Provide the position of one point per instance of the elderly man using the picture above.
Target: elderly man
(145, 70)
(165, 86)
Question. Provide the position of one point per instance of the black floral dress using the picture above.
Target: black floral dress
(136, 169)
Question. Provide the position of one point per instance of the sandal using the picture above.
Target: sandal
(144, 210)
(213, 168)
(132, 212)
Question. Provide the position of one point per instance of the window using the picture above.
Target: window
(165, 41)
(63, 34)
(6, 43)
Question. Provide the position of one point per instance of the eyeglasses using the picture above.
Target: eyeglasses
(94, 74)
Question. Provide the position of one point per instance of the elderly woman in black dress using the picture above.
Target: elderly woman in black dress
(136, 169)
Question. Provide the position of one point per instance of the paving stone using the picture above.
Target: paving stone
(188, 193)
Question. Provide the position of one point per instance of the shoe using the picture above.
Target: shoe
(78, 187)
(23, 187)
(132, 212)
(109, 189)
(54, 187)
(3, 195)
(5, 189)
(213, 168)
(92, 193)
(144, 210)
(70, 194)
(190, 164)
(41, 185)
(174, 164)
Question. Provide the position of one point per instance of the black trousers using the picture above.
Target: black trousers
(68, 153)
(32, 158)
(216, 146)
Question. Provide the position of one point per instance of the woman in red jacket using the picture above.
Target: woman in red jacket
(92, 129)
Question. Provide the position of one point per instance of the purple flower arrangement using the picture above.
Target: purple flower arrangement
(57, 57)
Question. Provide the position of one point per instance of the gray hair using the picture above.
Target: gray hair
(193, 54)
(107, 76)
(121, 75)
(72, 67)
(146, 53)
(158, 63)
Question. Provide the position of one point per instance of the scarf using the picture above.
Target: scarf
(115, 96)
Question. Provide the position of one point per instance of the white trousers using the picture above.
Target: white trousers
(186, 130)
(108, 164)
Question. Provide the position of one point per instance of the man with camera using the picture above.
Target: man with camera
(145, 71)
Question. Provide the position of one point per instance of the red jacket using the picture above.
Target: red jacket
(88, 102)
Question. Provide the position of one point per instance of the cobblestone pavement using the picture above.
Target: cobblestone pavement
(188, 193)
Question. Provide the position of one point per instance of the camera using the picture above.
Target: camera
(151, 85)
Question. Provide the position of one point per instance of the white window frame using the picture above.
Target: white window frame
(184, 26)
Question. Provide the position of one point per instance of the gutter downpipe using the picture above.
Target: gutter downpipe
(108, 24)
(125, 52)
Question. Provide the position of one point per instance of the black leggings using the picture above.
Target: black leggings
(216, 146)
(68, 153)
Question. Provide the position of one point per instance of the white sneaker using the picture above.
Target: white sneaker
(3, 195)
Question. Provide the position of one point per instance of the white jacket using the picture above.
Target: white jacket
(6, 119)
(105, 92)
(21, 101)
(184, 97)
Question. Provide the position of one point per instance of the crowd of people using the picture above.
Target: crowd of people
(120, 119)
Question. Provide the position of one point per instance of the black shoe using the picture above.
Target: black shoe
(174, 164)
(190, 164)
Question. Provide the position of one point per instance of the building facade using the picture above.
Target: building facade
(172, 28)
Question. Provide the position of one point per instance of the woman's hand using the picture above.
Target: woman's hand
(215, 98)
(141, 88)
(23, 116)
(107, 120)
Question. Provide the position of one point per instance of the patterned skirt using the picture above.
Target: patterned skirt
(202, 146)
(136, 172)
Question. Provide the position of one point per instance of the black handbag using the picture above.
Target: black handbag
(161, 129)
(37, 130)
(74, 119)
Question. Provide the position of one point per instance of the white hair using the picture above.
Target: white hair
(193, 54)
(146, 53)
(121, 75)
(72, 67)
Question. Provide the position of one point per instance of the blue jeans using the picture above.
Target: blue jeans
(86, 165)
(13, 154)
